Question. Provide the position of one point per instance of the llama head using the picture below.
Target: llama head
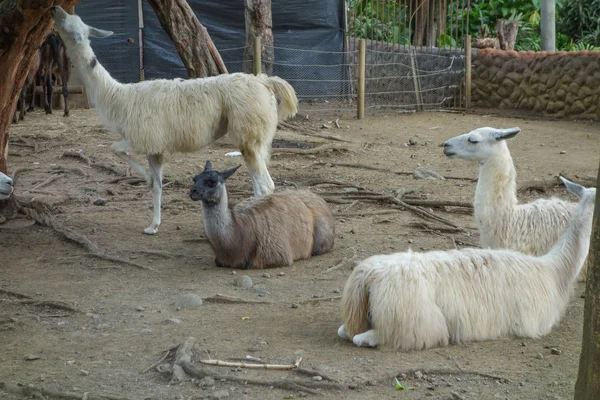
(6, 186)
(585, 195)
(479, 144)
(209, 185)
(73, 31)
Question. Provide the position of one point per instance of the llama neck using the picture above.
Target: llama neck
(496, 186)
(571, 250)
(219, 224)
(98, 83)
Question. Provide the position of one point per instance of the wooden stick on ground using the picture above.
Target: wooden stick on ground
(225, 299)
(220, 363)
(315, 150)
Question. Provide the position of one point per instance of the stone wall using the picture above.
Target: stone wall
(561, 84)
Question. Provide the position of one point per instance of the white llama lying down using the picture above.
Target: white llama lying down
(164, 116)
(266, 232)
(6, 186)
(412, 301)
(503, 223)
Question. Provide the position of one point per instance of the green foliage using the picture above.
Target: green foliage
(580, 21)
(374, 20)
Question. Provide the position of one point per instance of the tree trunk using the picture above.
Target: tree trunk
(25, 24)
(421, 17)
(588, 380)
(259, 24)
(192, 41)
(506, 31)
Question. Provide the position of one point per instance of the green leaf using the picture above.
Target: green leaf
(399, 385)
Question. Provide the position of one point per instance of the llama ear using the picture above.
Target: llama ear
(503, 134)
(572, 187)
(99, 33)
(226, 174)
(208, 165)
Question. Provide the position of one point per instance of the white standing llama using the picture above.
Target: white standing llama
(503, 223)
(164, 116)
(412, 301)
(6, 186)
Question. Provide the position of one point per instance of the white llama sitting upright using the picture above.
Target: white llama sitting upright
(503, 223)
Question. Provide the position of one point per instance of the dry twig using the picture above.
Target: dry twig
(315, 150)
(224, 299)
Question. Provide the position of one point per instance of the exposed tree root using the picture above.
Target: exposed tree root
(224, 299)
(315, 150)
(345, 261)
(451, 372)
(180, 360)
(366, 213)
(79, 155)
(15, 294)
(317, 299)
(425, 226)
(373, 168)
(30, 391)
(41, 214)
(59, 305)
(307, 132)
(45, 183)
(318, 181)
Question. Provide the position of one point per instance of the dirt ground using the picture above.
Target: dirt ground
(125, 317)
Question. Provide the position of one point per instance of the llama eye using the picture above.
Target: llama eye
(474, 141)
(211, 184)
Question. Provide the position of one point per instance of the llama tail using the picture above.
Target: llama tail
(288, 107)
(355, 303)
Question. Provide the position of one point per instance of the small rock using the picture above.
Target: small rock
(84, 372)
(418, 375)
(294, 305)
(70, 362)
(100, 201)
(266, 275)
(145, 330)
(220, 394)
(336, 290)
(244, 282)
(456, 396)
(317, 378)
(262, 292)
(563, 152)
(233, 273)
(421, 173)
(540, 356)
(139, 308)
(281, 274)
(179, 374)
(302, 394)
(410, 241)
(555, 351)
(32, 357)
(188, 301)
(173, 320)
(207, 381)
(353, 386)
(523, 344)
(412, 142)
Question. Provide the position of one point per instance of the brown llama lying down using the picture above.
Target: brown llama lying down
(262, 232)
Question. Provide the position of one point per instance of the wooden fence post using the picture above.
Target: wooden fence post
(256, 69)
(360, 87)
(468, 71)
(141, 38)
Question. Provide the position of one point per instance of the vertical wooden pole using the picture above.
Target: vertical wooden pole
(141, 38)
(256, 68)
(362, 60)
(467, 71)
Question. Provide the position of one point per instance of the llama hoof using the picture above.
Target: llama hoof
(66, 114)
(343, 333)
(367, 339)
(150, 231)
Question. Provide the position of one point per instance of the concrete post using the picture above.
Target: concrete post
(548, 25)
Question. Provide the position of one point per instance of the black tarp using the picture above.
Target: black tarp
(308, 41)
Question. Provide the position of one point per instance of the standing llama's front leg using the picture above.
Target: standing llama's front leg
(367, 339)
(122, 150)
(155, 161)
(257, 168)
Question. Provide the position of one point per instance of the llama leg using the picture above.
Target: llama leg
(64, 78)
(22, 103)
(122, 150)
(155, 161)
(257, 167)
(343, 333)
(49, 89)
(31, 104)
(367, 339)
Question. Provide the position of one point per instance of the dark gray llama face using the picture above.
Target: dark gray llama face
(209, 185)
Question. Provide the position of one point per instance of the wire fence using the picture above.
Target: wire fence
(398, 77)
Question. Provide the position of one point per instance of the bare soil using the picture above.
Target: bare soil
(123, 325)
